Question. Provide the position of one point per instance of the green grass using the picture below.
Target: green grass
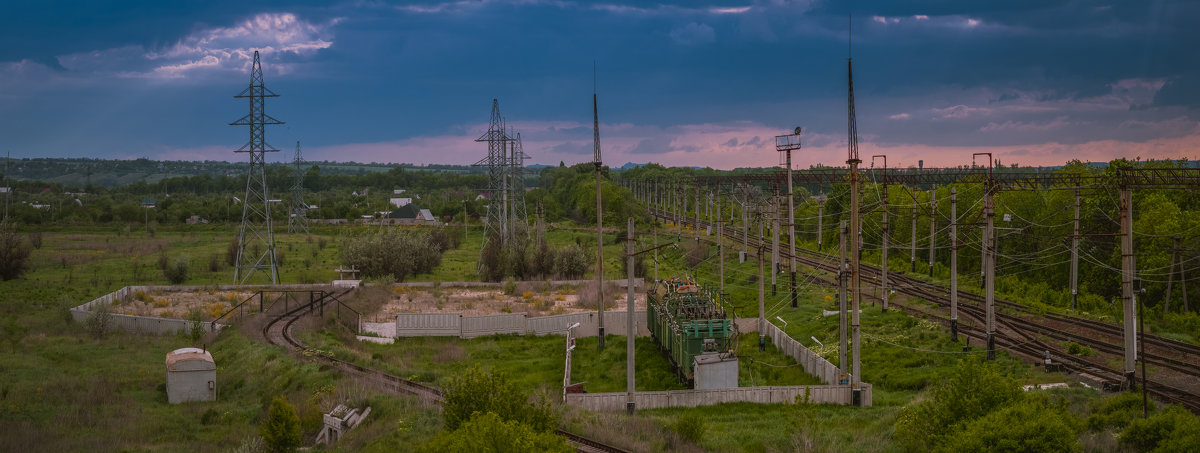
(105, 394)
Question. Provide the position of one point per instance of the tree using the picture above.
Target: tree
(476, 390)
(281, 431)
(398, 252)
(13, 252)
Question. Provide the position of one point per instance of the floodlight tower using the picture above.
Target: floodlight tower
(298, 220)
(257, 235)
(599, 212)
(787, 144)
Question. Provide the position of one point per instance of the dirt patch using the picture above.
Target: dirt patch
(485, 301)
(177, 304)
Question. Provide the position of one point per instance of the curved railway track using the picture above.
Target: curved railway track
(1016, 331)
(279, 331)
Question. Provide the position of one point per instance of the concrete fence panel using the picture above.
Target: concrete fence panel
(428, 325)
(818, 394)
(478, 326)
(557, 324)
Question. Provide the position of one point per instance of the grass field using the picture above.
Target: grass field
(64, 390)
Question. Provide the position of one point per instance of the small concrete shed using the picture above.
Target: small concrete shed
(191, 376)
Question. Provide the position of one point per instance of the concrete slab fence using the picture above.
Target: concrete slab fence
(463, 326)
(818, 394)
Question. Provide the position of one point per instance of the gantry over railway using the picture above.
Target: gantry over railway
(673, 194)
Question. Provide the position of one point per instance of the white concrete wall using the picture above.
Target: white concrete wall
(478, 326)
(454, 324)
(428, 325)
(818, 394)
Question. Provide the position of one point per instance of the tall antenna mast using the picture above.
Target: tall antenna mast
(599, 211)
(854, 240)
(7, 189)
(256, 240)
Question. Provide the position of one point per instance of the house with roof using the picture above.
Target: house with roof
(410, 214)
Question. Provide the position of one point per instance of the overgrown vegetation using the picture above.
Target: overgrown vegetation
(397, 253)
(13, 252)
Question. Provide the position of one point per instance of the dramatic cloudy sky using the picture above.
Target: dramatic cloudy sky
(690, 83)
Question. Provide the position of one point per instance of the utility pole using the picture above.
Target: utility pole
(843, 280)
(720, 244)
(887, 235)
(953, 264)
(630, 330)
(655, 253)
(1127, 276)
(989, 252)
(1171, 275)
(745, 222)
(696, 226)
(762, 312)
(820, 220)
(932, 229)
(774, 241)
(1075, 258)
(912, 259)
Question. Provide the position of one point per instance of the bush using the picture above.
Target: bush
(35, 239)
(195, 321)
(1030, 425)
(973, 390)
(488, 432)
(475, 390)
(13, 252)
(177, 272)
(1074, 348)
(231, 252)
(281, 430)
(1173, 429)
(571, 262)
(97, 324)
(1116, 411)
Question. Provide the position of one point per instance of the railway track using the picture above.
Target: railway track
(279, 331)
(1017, 332)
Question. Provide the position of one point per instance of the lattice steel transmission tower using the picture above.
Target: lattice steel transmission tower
(298, 220)
(506, 214)
(496, 162)
(517, 182)
(256, 240)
